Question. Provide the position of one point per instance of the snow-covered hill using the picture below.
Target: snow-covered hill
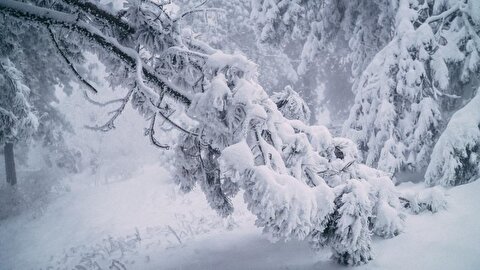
(144, 223)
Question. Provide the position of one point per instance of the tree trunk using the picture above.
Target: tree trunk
(10, 164)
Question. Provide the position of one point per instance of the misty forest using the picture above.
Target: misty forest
(239, 134)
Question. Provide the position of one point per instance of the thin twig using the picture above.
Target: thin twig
(175, 234)
(101, 104)
(110, 124)
(151, 133)
(177, 126)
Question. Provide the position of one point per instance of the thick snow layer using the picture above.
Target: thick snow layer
(445, 240)
(91, 218)
(182, 232)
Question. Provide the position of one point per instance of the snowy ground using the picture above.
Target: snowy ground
(143, 223)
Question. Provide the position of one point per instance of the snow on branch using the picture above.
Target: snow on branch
(62, 19)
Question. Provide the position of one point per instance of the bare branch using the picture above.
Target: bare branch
(110, 124)
(151, 133)
(101, 104)
(197, 9)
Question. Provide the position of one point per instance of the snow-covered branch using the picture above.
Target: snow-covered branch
(62, 19)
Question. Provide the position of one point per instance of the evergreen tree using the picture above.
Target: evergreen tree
(34, 54)
(456, 155)
(363, 27)
(403, 94)
(17, 120)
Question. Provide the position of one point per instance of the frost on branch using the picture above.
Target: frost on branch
(456, 156)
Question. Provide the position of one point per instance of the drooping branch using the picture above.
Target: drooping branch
(151, 133)
(444, 14)
(70, 64)
(101, 104)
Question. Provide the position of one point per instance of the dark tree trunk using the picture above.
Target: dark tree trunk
(10, 164)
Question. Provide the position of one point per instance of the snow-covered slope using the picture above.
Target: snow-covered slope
(446, 240)
(144, 223)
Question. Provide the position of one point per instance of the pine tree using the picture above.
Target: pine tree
(43, 69)
(361, 26)
(456, 156)
(17, 120)
(402, 96)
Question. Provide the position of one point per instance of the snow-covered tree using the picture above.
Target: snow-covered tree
(411, 61)
(456, 156)
(401, 96)
(326, 26)
(17, 119)
(44, 71)
(232, 136)
(227, 26)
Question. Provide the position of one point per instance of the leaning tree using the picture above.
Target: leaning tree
(299, 181)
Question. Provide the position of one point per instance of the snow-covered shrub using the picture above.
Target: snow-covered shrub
(386, 220)
(350, 236)
(429, 199)
(456, 156)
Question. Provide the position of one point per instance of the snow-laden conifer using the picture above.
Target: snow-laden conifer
(456, 156)
(231, 135)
